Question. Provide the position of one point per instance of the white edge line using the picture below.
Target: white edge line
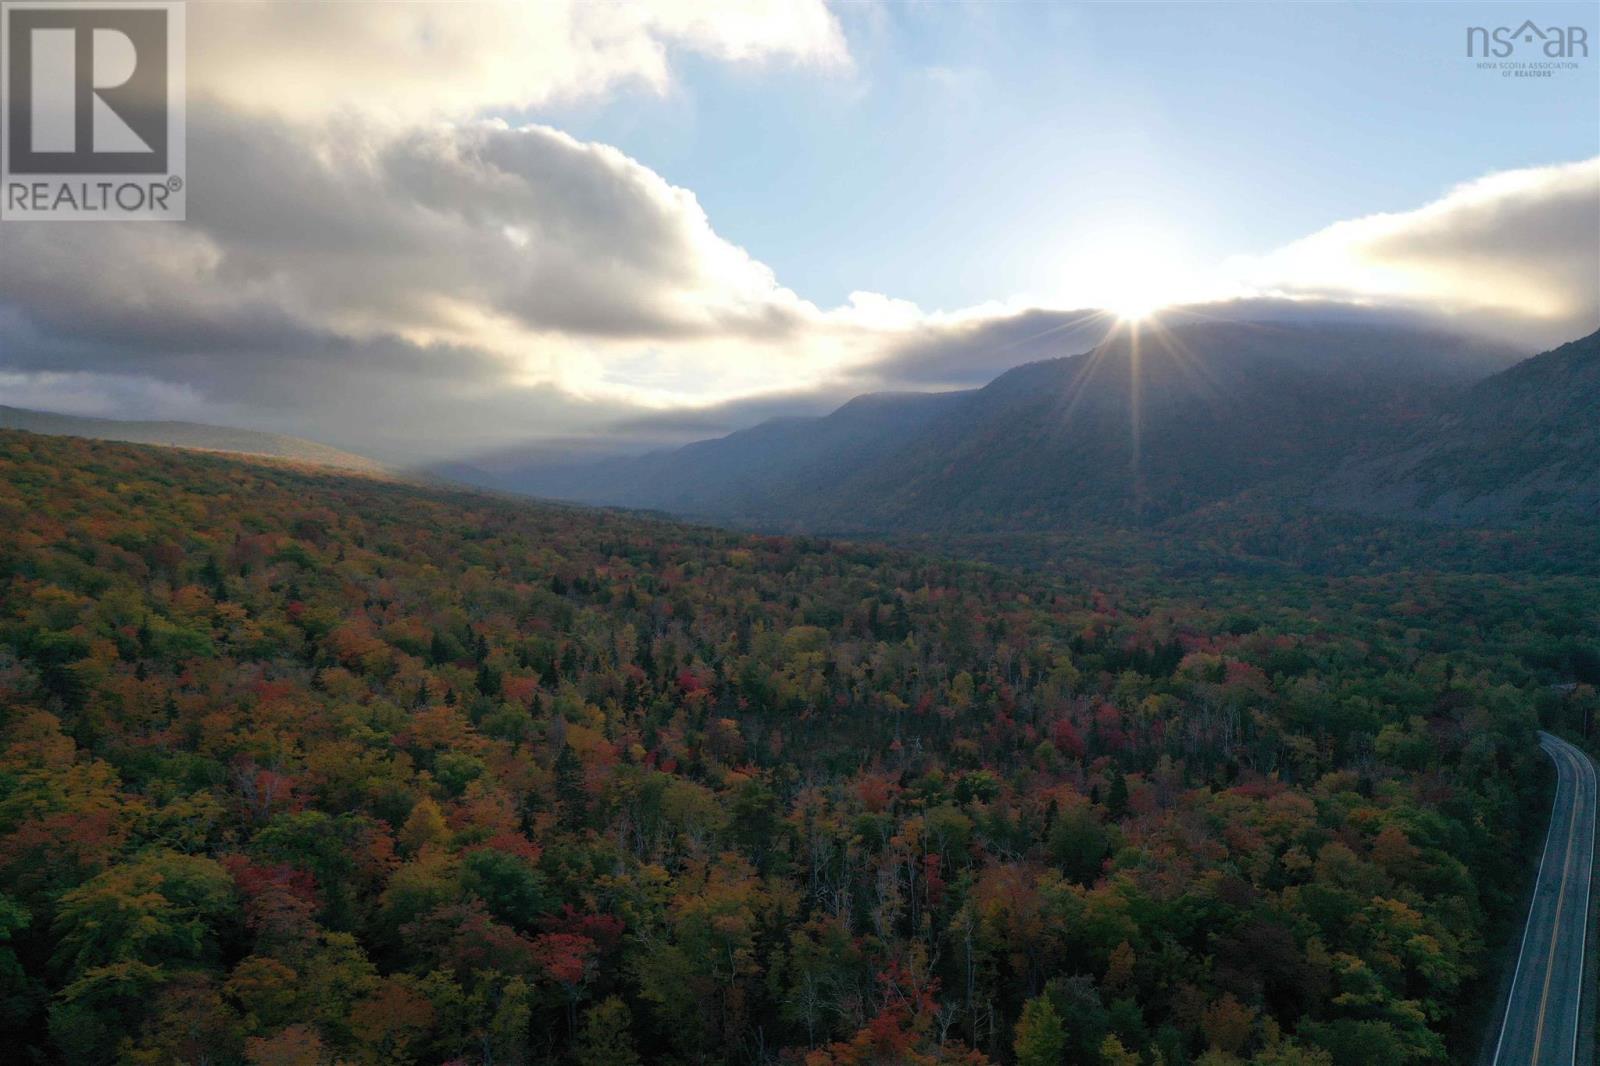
(1528, 925)
(1583, 950)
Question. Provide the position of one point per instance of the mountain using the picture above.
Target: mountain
(188, 435)
(749, 474)
(1154, 424)
(1149, 424)
(1525, 442)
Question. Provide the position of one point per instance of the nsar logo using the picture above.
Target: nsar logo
(1553, 42)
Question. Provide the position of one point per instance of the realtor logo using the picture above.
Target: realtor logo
(92, 123)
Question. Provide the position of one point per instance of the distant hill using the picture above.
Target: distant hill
(188, 435)
(1524, 443)
(1141, 428)
(750, 474)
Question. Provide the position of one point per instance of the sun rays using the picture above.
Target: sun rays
(1157, 356)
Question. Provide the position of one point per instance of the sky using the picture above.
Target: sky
(1020, 133)
(429, 230)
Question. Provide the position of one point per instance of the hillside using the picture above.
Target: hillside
(1525, 442)
(187, 435)
(748, 474)
(1151, 426)
(299, 766)
(1144, 427)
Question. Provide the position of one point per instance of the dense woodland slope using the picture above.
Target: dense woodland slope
(302, 768)
(766, 470)
(1525, 442)
(1154, 423)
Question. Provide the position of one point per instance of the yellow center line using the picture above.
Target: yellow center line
(1555, 929)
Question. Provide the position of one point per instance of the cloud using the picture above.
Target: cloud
(453, 60)
(463, 287)
(1514, 252)
(96, 395)
(556, 260)
(412, 233)
(367, 242)
(968, 350)
(463, 277)
(389, 269)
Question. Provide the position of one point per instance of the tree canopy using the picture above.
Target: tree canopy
(307, 768)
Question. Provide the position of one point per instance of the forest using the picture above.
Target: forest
(304, 768)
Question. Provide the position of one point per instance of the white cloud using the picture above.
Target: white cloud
(467, 263)
(441, 59)
(1520, 248)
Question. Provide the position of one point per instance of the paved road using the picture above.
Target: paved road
(1542, 1013)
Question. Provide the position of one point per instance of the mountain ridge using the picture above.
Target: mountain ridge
(196, 436)
(1525, 442)
(1146, 425)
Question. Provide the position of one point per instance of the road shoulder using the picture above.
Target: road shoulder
(1508, 931)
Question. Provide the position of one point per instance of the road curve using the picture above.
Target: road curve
(1543, 1010)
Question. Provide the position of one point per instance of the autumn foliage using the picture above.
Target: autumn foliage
(297, 768)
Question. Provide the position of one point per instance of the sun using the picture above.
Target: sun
(1134, 307)
(1130, 272)
(1133, 280)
